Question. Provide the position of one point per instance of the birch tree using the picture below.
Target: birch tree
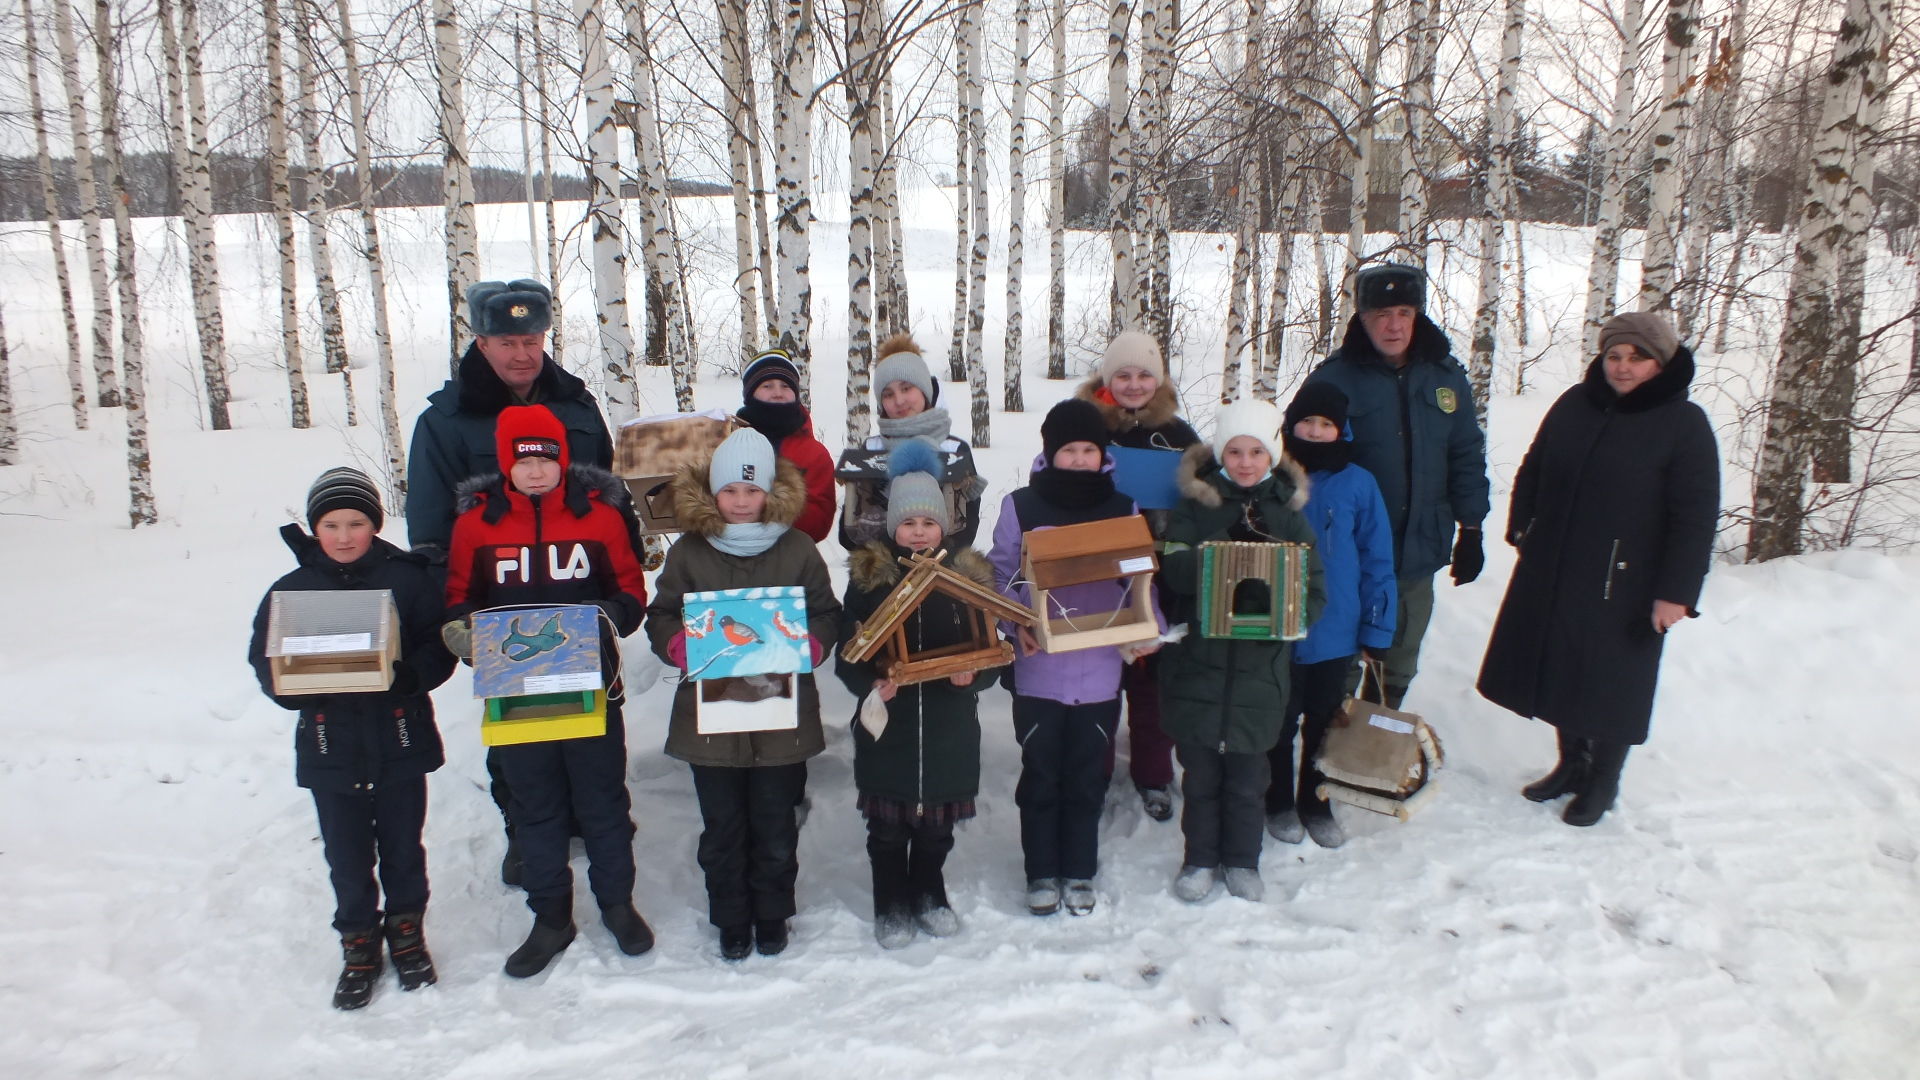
(1670, 129)
(962, 193)
(280, 196)
(319, 185)
(141, 509)
(1360, 147)
(203, 259)
(376, 263)
(860, 65)
(1416, 108)
(9, 430)
(50, 204)
(1499, 199)
(558, 336)
(1057, 199)
(1603, 271)
(1291, 184)
(982, 434)
(1157, 297)
(668, 326)
(1839, 173)
(603, 209)
(1148, 165)
(106, 382)
(1241, 296)
(1012, 399)
(1123, 299)
(456, 175)
(736, 75)
(793, 147)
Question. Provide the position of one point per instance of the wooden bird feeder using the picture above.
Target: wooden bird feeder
(651, 449)
(332, 641)
(885, 634)
(1282, 568)
(1112, 549)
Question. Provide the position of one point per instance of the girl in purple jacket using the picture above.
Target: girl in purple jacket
(1066, 706)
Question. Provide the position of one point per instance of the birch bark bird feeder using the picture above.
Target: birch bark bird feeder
(651, 449)
(1112, 549)
(332, 641)
(884, 635)
(1282, 568)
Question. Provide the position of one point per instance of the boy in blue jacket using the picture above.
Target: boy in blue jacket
(1355, 543)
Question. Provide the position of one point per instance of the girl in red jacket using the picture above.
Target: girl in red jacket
(771, 386)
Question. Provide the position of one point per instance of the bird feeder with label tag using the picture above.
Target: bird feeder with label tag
(1112, 549)
(332, 641)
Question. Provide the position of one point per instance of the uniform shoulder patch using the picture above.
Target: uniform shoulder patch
(1446, 399)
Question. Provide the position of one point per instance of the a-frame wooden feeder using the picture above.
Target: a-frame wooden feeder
(1112, 549)
(885, 634)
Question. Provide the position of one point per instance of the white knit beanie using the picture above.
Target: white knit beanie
(1132, 349)
(746, 457)
(1248, 416)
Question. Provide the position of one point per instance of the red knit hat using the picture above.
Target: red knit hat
(529, 431)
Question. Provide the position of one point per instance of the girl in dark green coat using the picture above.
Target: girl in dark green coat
(1223, 700)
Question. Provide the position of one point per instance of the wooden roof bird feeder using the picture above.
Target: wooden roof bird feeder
(332, 641)
(1282, 568)
(1112, 549)
(885, 635)
(649, 450)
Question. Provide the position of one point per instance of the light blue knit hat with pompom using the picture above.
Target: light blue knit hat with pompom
(913, 486)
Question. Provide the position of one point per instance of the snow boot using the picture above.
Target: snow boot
(543, 943)
(1602, 784)
(1043, 896)
(1316, 813)
(1079, 896)
(629, 930)
(1194, 883)
(736, 942)
(1244, 882)
(935, 918)
(1286, 826)
(361, 964)
(407, 944)
(1157, 802)
(893, 929)
(1324, 829)
(770, 936)
(1576, 755)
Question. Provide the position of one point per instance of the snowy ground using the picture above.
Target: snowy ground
(1748, 911)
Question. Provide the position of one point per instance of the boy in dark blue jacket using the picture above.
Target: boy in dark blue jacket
(1352, 535)
(365, 756)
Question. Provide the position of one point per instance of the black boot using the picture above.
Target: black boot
(1602, 785)
(407, 944)
(1575, 757)
(629, 930)
(770, 936)
(736, 941)
(360, 968)
(545, 942)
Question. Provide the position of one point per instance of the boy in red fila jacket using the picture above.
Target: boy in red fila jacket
(545, 532)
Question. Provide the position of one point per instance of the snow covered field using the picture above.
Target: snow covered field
(1749, 909)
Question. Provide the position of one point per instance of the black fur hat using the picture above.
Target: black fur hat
(495, 308)
(1388, 284)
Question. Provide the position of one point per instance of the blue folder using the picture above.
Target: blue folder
(1149, 477)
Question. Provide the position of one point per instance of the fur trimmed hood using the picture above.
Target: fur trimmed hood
(1161, 408)
(1201, 479)
(693, 503)
(584, 483)
(876, 565)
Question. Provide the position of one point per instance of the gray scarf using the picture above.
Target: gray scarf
(931, 426)
(747, 538)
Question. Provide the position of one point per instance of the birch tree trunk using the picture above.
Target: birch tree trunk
(1840, 172)
(1416, 107)
(1499, 198)
(1012, 400)
(1734, 195)
(1291, 190)
(1317, 222)
(1147, 166)
(659, 238)
(793, 145)
(9, 430)
(50, 204)
(376, 263)
(280, 195)
(860, 65)
(204, 258)
(133, 378)
(762, 230)
(1123, 299)
(603, 208)
(319, 185)
(1241, 297)
(894, 283)
(1158, 299)
(1057, 199)
(106, 382)
(1360, 186)
(1670, 130)
(526, 147)
(1603, 271)
(557, 339)
(982, 433)
(962, 194)
(736, 65)
(456, 176)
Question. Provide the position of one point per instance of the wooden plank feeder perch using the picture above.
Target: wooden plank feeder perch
(1112, 549)
(332, 641)
(1282, 568)
(885, 635)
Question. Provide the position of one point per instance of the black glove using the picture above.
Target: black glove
(404, 680)
(614, 611)
(1469, 557)
(1517, 533)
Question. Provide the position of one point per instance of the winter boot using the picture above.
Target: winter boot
(1602, 784)
(407, 944)
(1043, 896)
(935, 918)
(1078, 896)
(360, 968)
(1194, 883)
(1244, 882)
(736, 941)
(893, 929)
(1316, 813)
(1568, 774)
(1157, 802)
(629, 930)
(1325, 831)
(543, 943)
(1286, 826)
(770, 936)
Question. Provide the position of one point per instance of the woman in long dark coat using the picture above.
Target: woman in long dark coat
(1613, 511)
